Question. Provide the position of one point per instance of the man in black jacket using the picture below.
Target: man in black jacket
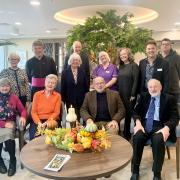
(77, 48)
(168, 54)
(153, 67)
(38, 67)
(156, 117)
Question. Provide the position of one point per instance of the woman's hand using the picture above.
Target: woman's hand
(42, 125)
(9, 124)
(22, 121)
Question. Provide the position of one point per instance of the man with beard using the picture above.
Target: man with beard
(156, 117)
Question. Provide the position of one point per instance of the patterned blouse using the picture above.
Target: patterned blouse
(19, 82)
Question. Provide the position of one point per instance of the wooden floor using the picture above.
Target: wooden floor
(168, 173)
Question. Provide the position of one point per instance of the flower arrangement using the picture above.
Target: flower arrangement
(78, 139)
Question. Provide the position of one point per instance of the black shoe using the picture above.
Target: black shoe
(156, 178)
(12, 168)
(3, 168)
(134, 177)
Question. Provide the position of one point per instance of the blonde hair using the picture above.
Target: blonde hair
(13, 55)
(52, 76)
(74, 56)
(4, 82)
(102, 53)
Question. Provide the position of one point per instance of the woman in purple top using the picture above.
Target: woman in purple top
(10, 105)
(106, 70)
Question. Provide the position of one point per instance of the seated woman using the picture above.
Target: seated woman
(45, 106)
(10, 105)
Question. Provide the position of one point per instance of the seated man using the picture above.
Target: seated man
(103, 106)
(155, 117)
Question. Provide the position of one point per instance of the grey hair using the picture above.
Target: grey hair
(52, 76)
(74, 56)
(4, 82)
(156, 81)
(103, 53)
(76, 42)
(13, 55)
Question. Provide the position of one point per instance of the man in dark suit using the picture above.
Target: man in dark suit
(103, 106)
(153, 67)
(156, 117)
(77, 48)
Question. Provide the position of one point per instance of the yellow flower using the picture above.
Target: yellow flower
(86, 142)
(100, 134)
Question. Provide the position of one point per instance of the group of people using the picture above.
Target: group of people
(118, 91)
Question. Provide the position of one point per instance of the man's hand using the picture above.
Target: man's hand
(22, 121)
(132, 98)
(89, 121)
(113, 124)
(165, 132)
(9, 124)
(138, 127)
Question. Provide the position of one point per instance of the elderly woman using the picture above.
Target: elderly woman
(46, 105)
(127, 85)
(74, 84)
(18, 79)
(106, 70)
(10, 105)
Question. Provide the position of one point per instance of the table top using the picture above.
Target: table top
(87, 165)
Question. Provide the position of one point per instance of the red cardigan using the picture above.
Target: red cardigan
(15, 104)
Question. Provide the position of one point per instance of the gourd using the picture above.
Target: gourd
(91, 127)
(48, 140)
(71, 116)
(52, 124)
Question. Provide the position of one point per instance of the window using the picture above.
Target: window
(2, 58)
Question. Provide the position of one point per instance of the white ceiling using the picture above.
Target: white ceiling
(36, 20)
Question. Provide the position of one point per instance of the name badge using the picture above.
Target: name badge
(159, 69)
(107, 72)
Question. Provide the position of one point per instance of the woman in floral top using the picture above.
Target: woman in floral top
(10, 105)
(18, 79)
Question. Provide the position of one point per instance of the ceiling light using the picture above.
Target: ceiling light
(35, 3)
(14, 34)
(48, 31)
(177, 23)
(18, 23)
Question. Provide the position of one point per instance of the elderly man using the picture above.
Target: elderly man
(103, 106)
(155, 117)
(77, 48)
(38, 67)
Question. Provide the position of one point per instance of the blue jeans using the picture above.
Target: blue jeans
(32, 130)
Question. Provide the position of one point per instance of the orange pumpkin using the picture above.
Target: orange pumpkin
(52, 124)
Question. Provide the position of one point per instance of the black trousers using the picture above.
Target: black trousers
(10, 145)
(128, 106)
(158, 150)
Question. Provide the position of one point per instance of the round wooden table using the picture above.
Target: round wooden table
(88, 165)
